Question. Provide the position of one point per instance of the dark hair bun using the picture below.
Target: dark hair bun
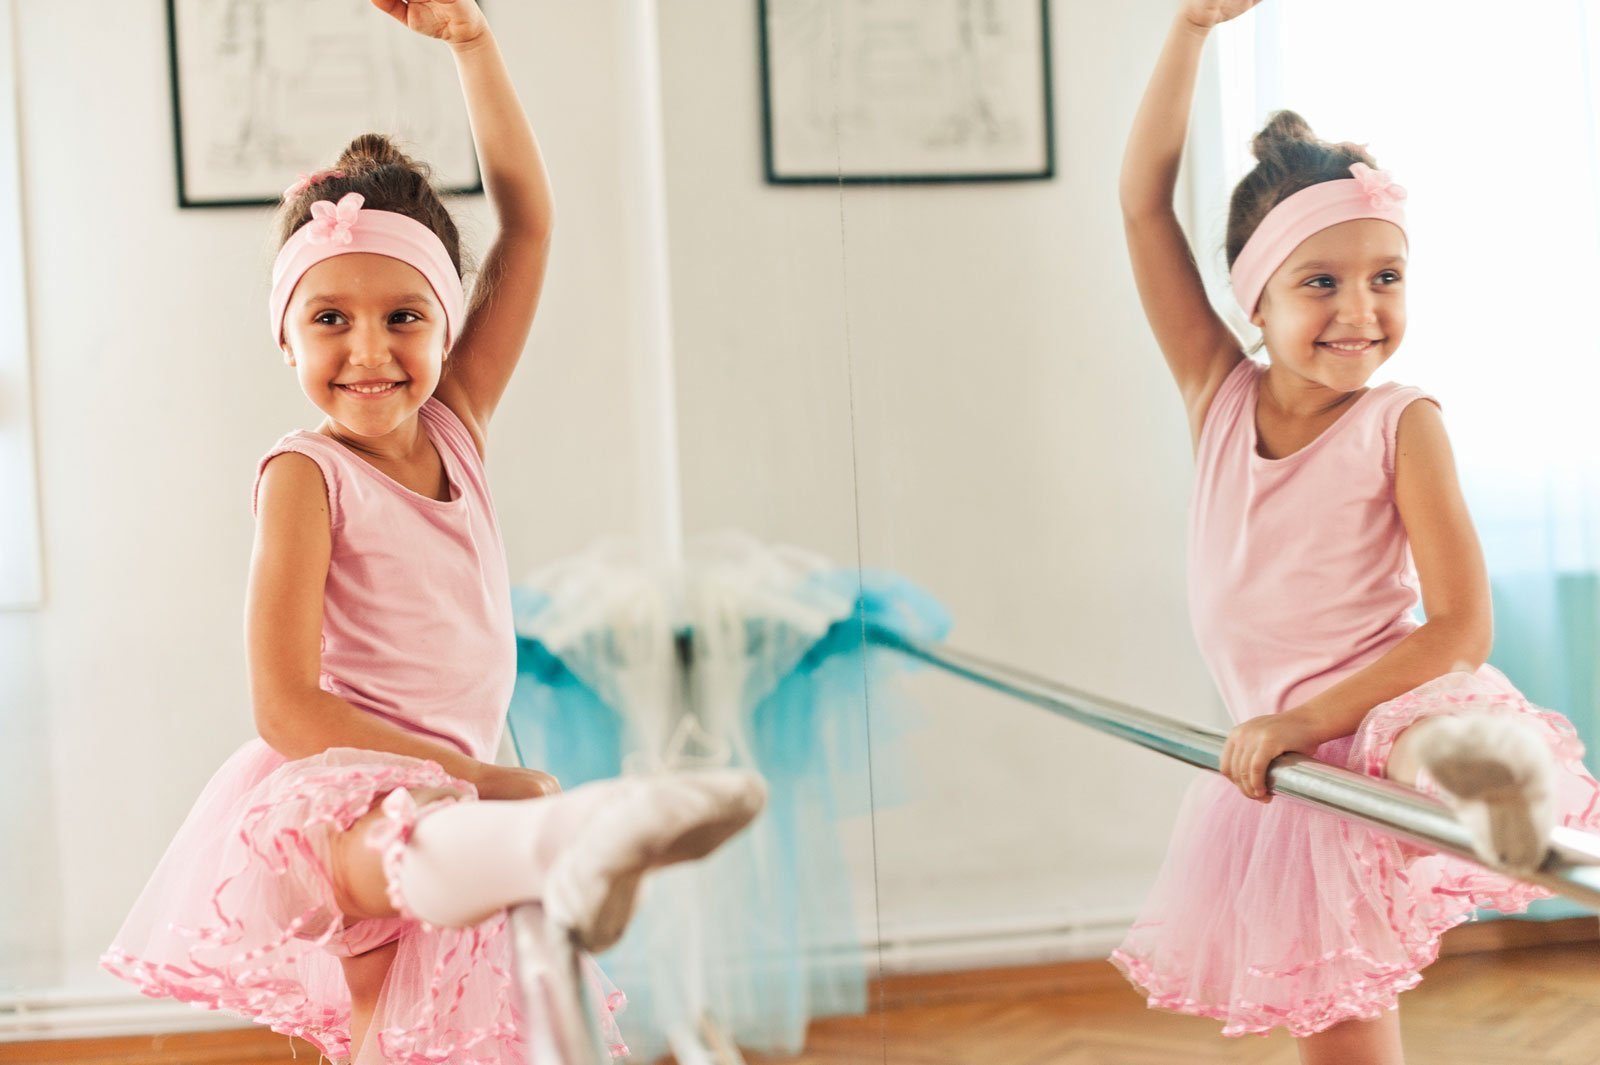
(388, 180)
(1283, 128)
(371, 151)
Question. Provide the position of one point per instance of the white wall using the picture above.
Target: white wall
(1021, 452)
(1019, 449)
(157, 389)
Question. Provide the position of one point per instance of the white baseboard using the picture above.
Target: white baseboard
(992, 943)
(927, 946)
(60, 1013)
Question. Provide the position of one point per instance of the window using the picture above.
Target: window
(21, 582)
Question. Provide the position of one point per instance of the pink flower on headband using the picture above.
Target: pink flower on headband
(305, 181)
(331, 223)
(1378, 185)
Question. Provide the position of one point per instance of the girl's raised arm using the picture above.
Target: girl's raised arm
(512, 275)
(1199, 347)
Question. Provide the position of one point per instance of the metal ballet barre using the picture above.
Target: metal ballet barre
(559, 1018)
(562, 1029)
(1572, 868)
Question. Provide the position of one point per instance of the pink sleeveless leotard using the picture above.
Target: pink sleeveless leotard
(1300, 574)
(416, 613)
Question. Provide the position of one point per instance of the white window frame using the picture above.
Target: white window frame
(21, 565)
(1237, 74)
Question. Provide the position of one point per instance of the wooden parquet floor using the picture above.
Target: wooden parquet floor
(1529, 1006)
(1536, 1005)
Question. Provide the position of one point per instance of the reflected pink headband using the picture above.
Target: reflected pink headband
(1369, 194)
(345, 228)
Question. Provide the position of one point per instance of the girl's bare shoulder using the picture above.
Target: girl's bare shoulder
(291, 490)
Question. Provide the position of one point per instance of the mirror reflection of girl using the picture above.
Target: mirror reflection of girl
(344, 877)
(1324, 509)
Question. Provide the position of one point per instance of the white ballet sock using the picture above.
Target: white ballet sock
(1498, 775)
(465, 861)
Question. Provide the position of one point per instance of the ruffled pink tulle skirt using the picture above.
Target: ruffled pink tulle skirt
(1283, 915)
(240, 915)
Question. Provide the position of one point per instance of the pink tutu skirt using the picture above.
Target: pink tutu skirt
(240, 915)
(1284, 915)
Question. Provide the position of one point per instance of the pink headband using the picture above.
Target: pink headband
(345, 228)
(1370, 194)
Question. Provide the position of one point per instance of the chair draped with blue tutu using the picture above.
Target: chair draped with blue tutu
(750, 655)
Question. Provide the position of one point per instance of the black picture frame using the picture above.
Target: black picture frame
(1045, 173)
(266, 197)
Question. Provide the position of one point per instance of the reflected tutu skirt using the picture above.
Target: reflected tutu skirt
(1283, 915)
(240, 915)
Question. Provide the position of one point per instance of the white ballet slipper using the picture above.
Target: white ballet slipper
(1498, 775)
(662, 820)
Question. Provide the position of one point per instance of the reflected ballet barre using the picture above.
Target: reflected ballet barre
(1572, 868)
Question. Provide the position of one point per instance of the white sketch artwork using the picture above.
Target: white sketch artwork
(907, 87)
(270, 88)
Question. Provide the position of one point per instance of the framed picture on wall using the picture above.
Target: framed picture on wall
(263, 90)
(880, 91)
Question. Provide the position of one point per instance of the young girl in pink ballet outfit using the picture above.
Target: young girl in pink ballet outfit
(1323, 511)
(344, 877)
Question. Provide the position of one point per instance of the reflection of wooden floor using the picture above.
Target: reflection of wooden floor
(1528, 1005)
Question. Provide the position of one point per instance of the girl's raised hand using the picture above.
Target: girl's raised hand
(1208, 13)
(450, 21)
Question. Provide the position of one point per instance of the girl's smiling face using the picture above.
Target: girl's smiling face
(1343, 283)
(360, 318)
